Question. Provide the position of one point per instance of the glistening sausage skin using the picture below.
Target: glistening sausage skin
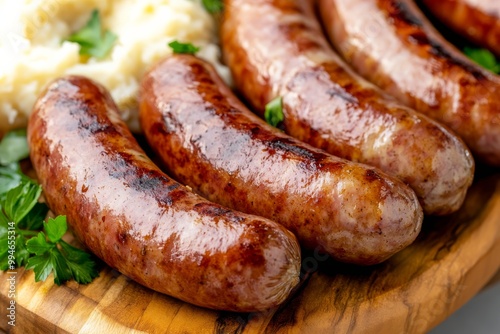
(393, 45)
(141, 222)
(330, 107)
(208, 140)
(478, 20)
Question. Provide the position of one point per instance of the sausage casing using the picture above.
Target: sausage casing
(141, 222)
(393, 45)
(208, 140)
(478, 20)
(330, 107)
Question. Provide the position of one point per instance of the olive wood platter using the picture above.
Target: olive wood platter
(453, 258)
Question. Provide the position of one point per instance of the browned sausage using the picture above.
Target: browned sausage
(141, 222)
(392, 44)
(211, 142)
(478, 20)
(330, 107)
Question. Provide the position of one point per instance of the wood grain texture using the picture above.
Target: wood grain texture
(453, 258)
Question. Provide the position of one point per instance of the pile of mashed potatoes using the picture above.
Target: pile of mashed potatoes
(33, 51)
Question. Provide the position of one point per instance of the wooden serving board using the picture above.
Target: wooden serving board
(453, 258)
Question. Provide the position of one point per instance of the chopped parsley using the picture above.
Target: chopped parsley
(92, 39)
(183, 48)
(484, 58)
(213, 6)
(274, 112)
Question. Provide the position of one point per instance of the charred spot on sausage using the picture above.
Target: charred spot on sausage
(403, 13)
(211, 210)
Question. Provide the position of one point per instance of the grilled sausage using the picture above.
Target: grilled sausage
(141, 222)
(330, 107)
(392, 44)
(208, 140)
(478, 20)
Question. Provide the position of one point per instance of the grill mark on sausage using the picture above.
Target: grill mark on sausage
(288, 147)
(372, 176)
(96, 127)
(343, 94)
(88, 123)
(309, 160)
(207, 209)
(438, 50)
(211, 210)
(339, 91)
(295, 31)
(147, 182)
(420, 38)
(400, 14)
(153, 182)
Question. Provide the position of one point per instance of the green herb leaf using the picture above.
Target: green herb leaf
(10, 177)
(213, 6)
(42, 265)
(65, 263)
(14, 147)
(50, 261)
(83, 267)
(274, 112)
(484, 58)
(4, 246)
(186, 48)
(62, 272)
(34, 219)
(55, 228)
(20, 200)
(92, 40)
(39, 244)
(22, 254)
(4, 264)
(4, 221)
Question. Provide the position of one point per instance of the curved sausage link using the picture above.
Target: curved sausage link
(211, 142)
(478, 20)
(393, 45)
(141, 222)
(330, 107)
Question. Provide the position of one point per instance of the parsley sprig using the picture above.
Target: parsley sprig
(52, 254)
(213, 6)
(274, 112)
(92, 39)
(14, 147)
(22, 243)
(183, 48)
(14, 207)
(484, 58)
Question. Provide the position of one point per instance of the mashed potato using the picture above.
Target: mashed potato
(32, 51)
